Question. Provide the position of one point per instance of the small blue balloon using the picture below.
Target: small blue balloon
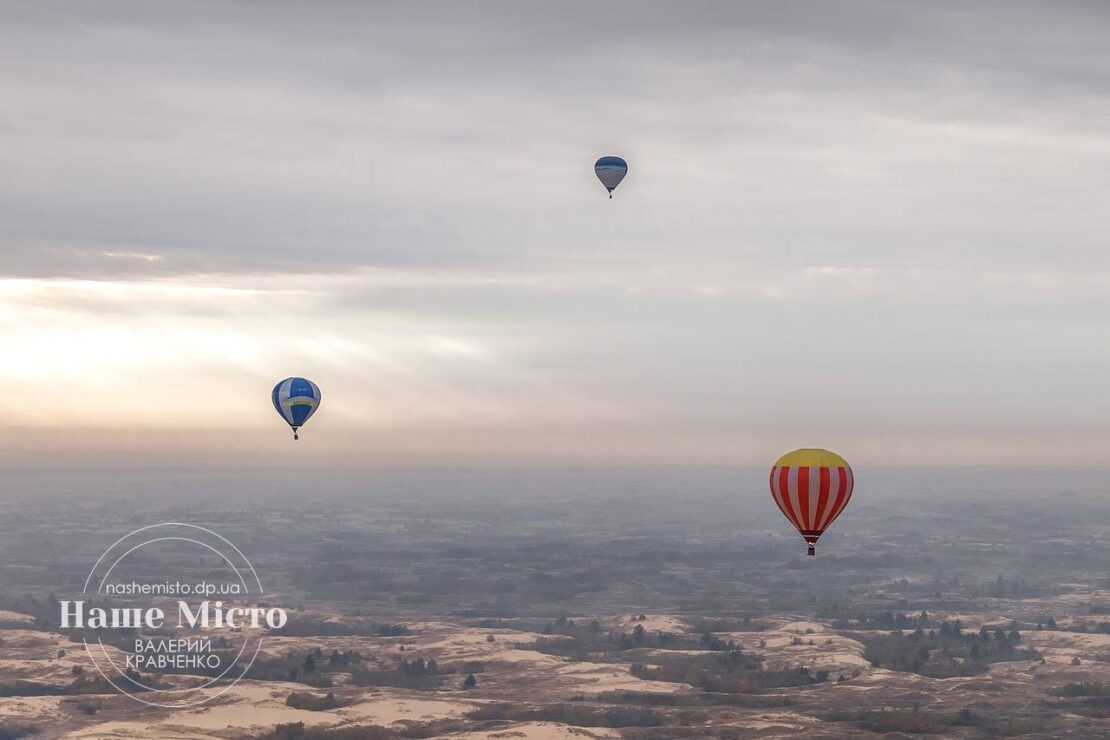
(296, 399)
(610, 170)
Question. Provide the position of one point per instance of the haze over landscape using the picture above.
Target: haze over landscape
(534, 500)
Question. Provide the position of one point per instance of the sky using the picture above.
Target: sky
(877, 227)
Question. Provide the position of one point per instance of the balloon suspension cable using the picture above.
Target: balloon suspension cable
(812, 550)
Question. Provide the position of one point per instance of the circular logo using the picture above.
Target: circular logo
(171, 615)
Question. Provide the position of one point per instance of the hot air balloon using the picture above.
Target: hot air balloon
(296, 399)
(610, 170)
(811, 488)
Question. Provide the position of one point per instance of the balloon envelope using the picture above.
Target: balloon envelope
(296, 399)
(811, 487)
(610, 170)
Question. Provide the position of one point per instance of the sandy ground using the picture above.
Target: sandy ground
(594, 678)
(34, 656)
(469, 643)
(135, 731)
(829, 651)
(390, 711)
(653, 623)
(245, 705)
(14, 618)
(451, 645)
(255, 707)
(1063, 646)
(779, 722)
(30, 707)
(539, 731)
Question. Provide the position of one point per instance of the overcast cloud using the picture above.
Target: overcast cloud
(879, 227)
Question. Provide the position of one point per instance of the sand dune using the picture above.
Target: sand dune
(538, 731)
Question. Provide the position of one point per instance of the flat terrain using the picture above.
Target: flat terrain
(611, 604)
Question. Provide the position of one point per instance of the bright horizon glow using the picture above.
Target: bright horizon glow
(191, 362)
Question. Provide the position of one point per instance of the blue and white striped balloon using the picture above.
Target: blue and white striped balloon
(296, 399)
(610, 170)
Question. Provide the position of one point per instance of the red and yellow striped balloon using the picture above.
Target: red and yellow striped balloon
(811, 488)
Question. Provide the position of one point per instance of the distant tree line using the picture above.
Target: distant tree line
(944, 653)
(916, 722)
(301, 627)
(730, 672)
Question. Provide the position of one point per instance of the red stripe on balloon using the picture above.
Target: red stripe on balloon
(784, 489)
(803, 497)
(822, 497)
(776, 494)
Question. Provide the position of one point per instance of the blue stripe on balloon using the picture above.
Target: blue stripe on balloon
(296, 399)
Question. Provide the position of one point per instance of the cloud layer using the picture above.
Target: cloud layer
(874, 226)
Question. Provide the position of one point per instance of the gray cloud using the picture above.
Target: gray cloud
(881, 223)
(245, 137)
